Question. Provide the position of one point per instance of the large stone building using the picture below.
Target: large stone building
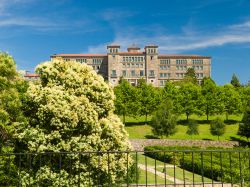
(135, 64)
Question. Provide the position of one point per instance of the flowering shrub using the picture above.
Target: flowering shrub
(71, 110)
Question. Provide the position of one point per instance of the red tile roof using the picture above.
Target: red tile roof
(182, 55)
(31, 75)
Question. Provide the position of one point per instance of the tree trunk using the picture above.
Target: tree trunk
(207, 112)
(187, 116)
(146, 117)
(124, 116)
(227, 116)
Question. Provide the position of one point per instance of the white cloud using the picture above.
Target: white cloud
(188, 40)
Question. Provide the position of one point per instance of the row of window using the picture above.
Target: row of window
(113, 50)
(165, 61)
(198, 67)
(197, 61)
(164, 67)
(165, 75)
(132, 65)
(181, 67)
(133, 59)
(181, 61)
(151, 50)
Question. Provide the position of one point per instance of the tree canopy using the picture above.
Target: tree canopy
(12, 88)
(70, 110)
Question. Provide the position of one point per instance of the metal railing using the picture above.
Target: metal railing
(127, 168)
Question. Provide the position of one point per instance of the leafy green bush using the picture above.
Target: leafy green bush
(222, 165)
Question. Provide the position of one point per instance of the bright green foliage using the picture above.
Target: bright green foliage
(190, 76)
(244, 127)
(148, 98)
(189, 96)
(192, 128)
(126, 103)
(217, 127)
(164, 121)
(71, 109)
(170, 91)
(231, 100)
(12, 89)
(235, 81)
(211, 100)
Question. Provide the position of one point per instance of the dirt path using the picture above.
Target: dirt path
(152, 170)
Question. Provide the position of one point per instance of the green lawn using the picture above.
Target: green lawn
(176, 172)
(138, 129)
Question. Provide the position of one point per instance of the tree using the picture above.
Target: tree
(12, 88)
(235, 81)
(190, 76)
(148, 98)
(192, 128)
(71, 110)
(189, 98)
(217, 127)
(164, 121)
(212, 97)
(126, 102)
(231, 100)
(244, 127)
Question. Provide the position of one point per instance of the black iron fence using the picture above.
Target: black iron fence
(123, 168)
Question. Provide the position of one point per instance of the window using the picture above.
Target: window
(141, 65)
(113, 73)
(128, 65)
(124, 65)
(141, 73)
(197, 61)
(97, 61)
(151, 73)
(137, 65)
(81, 60)
(161, 83)
(165, 61)
(133, 73)
(181, 61)
(201, 67)
(151, 57)
(124, 73)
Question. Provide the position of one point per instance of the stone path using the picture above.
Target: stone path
(152, 170)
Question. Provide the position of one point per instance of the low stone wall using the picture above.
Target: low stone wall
(139, 144)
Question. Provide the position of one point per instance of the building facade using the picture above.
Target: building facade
(148, 64)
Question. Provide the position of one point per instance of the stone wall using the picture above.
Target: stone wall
(139, 144)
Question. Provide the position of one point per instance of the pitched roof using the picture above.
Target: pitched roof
(78, 55)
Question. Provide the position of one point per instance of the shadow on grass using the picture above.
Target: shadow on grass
(231, 122)
(243, 143)
(206, 139)
(129, 124)
(201, 122)
(151, 137)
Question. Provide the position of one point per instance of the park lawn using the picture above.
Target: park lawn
(178, 173)
(138, 129)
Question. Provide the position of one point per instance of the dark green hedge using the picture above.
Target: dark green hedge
(217, 168)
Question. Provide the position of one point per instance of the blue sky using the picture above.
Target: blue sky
(32, 30)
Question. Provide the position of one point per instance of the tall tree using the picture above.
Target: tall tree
(126, 102)
(190, 76)
(244, 127)
(189, 99)
(171, 92)
(235, 81)
(231, 100)
(217, 127)
(212, 99)
(148, 98)
(72, 111)
(164, 121)
(192, 128)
